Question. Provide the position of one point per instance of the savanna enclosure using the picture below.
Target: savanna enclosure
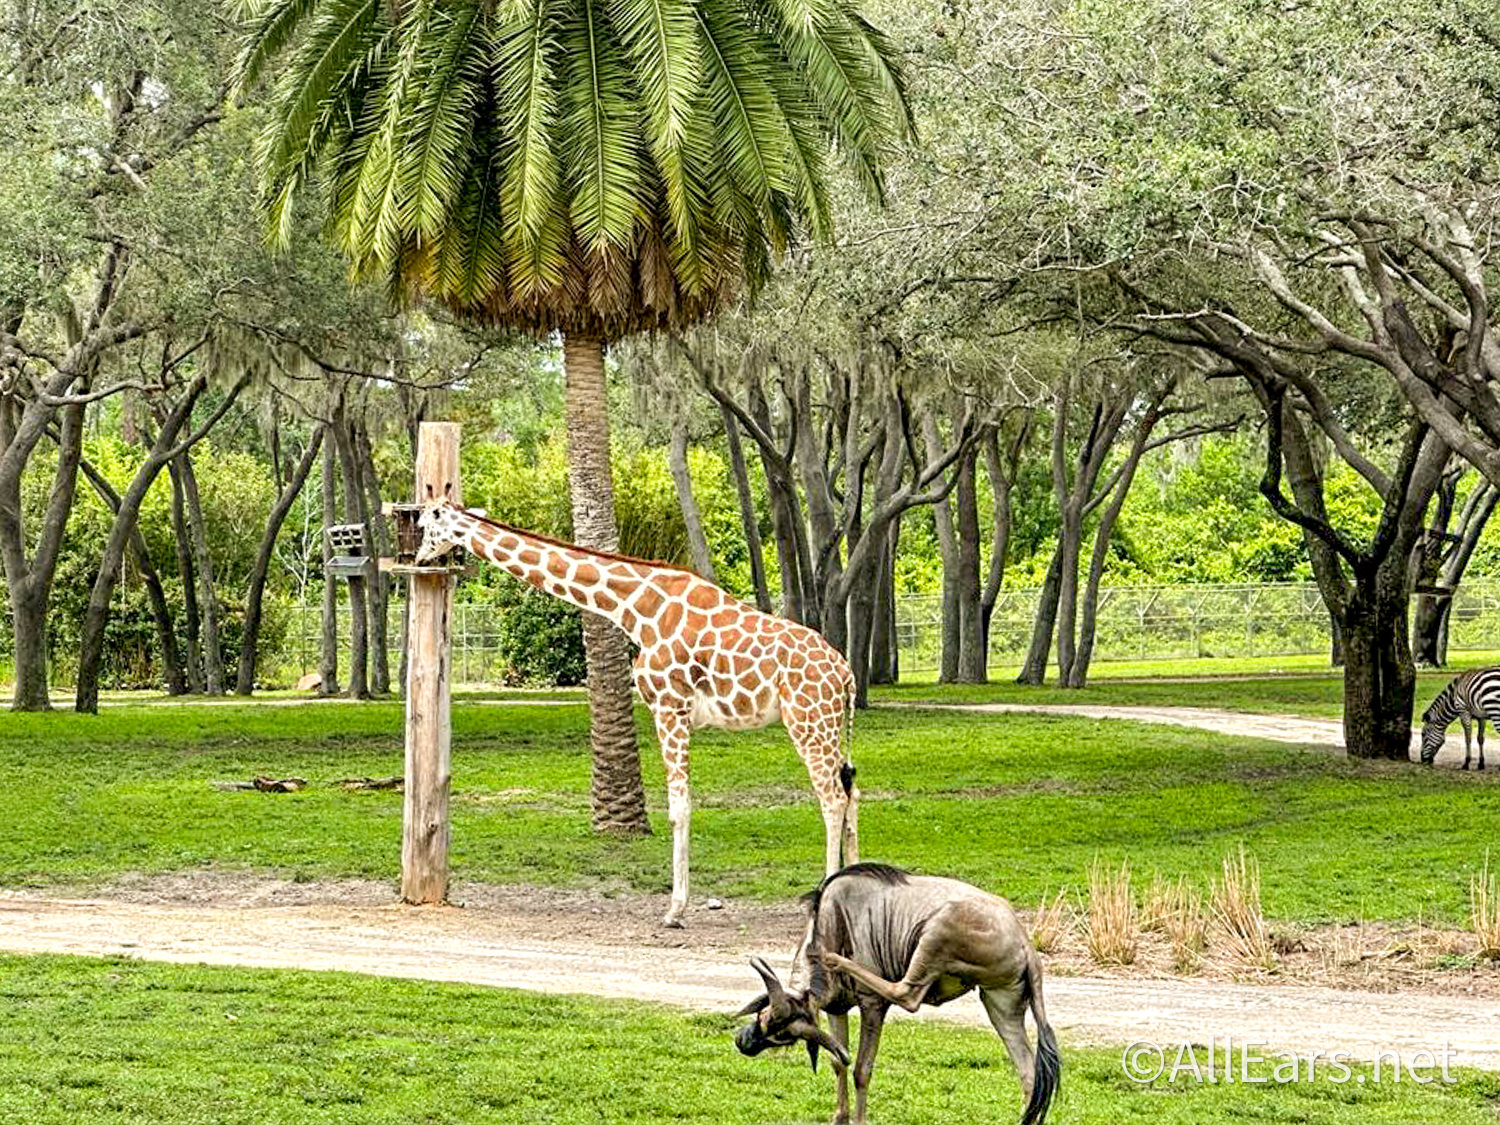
(1099, 397)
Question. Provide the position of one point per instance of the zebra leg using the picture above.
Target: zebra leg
(1467, 728)
(1481, 742)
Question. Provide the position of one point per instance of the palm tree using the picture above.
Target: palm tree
(592, 168)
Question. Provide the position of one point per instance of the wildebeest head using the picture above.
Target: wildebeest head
(783, 1018)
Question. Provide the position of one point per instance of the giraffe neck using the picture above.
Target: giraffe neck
(598, 583)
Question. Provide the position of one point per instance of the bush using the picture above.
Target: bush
(541, 638)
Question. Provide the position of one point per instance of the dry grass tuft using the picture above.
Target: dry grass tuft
(1053, 920)
(1185, 923)
(1111, 931)
(1159, 902)
(1484, 911)
(1236, 908)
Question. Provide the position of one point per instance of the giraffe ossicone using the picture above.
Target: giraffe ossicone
(706, 659)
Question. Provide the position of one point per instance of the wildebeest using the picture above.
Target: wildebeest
(877, 936)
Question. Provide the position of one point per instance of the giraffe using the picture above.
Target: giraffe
(706, 659)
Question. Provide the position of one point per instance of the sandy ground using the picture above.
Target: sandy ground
(580, 942)
(1276, 728)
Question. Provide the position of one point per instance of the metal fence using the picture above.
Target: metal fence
(1134, 623)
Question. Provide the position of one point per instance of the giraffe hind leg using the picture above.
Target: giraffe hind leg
(674, 729)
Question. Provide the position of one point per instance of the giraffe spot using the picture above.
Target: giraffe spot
(647, 636)
(627, 621)
(670, 616)
(721, 662)
(741, 665)
(578, 596)
(725, 617)
(530, 557)
(695, 623)
(767, 668)
(622, 585)
(587, 573)
(703, 596)
(680, 652)
(661, 658)
(648, 602)
(558, 565)
(603, 602)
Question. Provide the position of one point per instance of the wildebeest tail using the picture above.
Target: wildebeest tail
(1048, 1074)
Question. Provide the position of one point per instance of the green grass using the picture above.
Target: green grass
(1018, 803)
(110, 1042)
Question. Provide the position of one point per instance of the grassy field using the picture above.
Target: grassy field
(1019, 803)
(101, 1042)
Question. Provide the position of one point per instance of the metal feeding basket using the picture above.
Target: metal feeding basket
(346, 550)
(404, 517)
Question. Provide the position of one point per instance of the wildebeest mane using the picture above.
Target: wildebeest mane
(813, 900)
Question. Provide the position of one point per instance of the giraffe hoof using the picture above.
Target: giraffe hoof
(672, 921)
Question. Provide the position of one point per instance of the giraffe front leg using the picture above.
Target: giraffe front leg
(674, 730)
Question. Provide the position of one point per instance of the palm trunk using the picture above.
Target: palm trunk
(619, 800)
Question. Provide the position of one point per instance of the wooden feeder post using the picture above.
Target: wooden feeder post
(424, 829)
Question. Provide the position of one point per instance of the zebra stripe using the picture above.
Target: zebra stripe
(1470, 696)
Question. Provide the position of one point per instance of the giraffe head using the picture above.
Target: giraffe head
(440, 531)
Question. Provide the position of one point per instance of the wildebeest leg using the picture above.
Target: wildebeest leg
(1481, 742)
(838, 1027)
(1006, 1008)
(673, 730)
(1464, 719)
(906, 993)
(871, 1021)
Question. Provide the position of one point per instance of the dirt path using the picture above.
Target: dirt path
(590, 945)
(1242, 724)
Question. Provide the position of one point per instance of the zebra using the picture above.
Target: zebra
(1471, 695)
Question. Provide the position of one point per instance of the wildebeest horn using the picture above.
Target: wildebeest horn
(816, 1037)
(775, 994)
(755, 1005)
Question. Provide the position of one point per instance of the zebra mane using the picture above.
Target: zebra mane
(1442, 708)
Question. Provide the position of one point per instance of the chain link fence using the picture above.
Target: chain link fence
(1134, 623)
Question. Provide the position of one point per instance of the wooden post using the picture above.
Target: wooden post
(424, 833)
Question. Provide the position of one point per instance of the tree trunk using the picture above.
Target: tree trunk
(1379, 674)
(692, 516)
(191, 621)
(1001, 475)
(122, 530)
(380, 547)
(30, 585)
(971, 658)
(328, 662)
(948, 555)
(203, 563)
(885, 665)
(161, 613)
(255, 595)
(748, 517)
(1430, 628)
(619, 800)
(1034, 670)
(359, 612)
(1070, 543)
